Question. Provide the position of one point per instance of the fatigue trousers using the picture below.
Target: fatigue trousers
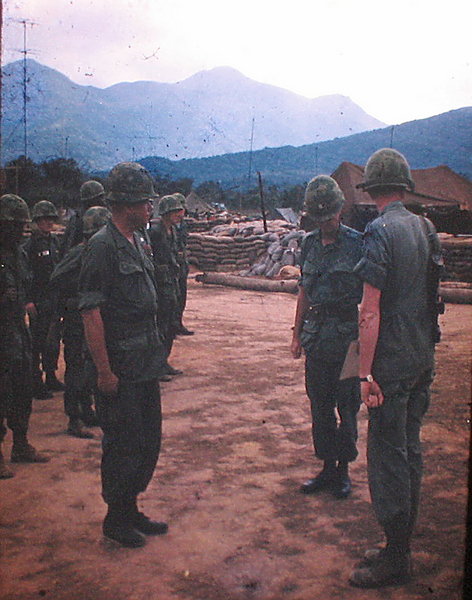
(334, 408)
(45, 352)
(131, 423)
(16, 400)
(77, 392)
(394, 459)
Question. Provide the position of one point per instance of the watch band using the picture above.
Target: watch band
(369, 379)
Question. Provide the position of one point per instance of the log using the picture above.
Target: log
(456, 292)
(248, 283)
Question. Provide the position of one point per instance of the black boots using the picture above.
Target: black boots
(335, 479)
(126, 525)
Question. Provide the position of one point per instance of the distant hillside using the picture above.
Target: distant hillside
(211, 113)
(445, 139)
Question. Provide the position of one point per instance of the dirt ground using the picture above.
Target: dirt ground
(236, 447)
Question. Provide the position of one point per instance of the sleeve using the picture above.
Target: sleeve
(373, 267)
(94, 276)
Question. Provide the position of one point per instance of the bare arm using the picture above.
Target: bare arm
(95, 336)
(302, 307)
(369, 321)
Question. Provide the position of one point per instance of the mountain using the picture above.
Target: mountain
(211, 113)
(444, 139)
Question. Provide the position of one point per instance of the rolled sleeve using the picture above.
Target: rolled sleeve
(371, 273)
(93, 277)
(373, 267)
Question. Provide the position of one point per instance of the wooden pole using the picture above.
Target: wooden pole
(261, 193)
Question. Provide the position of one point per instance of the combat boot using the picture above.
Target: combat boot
(75, 429)
(144, 524)
(117, 527)
(26, 453)
(5, 472)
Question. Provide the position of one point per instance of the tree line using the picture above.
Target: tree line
(59, 179)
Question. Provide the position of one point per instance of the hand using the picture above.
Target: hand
(31, 310)
(371, 394)
(296, 347)
(107, 383)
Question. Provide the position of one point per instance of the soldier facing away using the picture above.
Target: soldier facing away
(397, 334)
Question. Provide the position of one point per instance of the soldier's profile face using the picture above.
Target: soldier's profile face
(139, 214)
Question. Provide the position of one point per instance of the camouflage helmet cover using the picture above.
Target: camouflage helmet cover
(13, 208)
(387, 167)
(44, 209)
(170, 202)
(323, 198)
(181, 198)
(94, 219)
(130, 183)
(90, 190)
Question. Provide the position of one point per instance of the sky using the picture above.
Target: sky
(399, 60)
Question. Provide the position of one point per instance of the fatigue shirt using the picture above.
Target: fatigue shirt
(15, 341)
(43, 255)
(118, 278)
(395, 261)
(73, 235)
(329, 282)
(64, 284)
(165, 255)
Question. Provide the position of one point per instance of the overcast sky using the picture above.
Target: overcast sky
(399, 60)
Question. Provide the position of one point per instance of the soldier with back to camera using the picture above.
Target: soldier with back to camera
(118, 302)
(397, 332)
(325, 324)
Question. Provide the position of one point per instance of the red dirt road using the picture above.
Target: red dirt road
(236, 447)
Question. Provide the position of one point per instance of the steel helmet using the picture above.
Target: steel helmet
(44, 209)
(94, 219)
(170, 202)
(90, 190)
(387, 168)
(181, 198)
(14, 208)
(130, 183)
(323, 198)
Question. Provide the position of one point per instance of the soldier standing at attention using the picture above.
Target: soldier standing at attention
(325, 324)
(92, 193)
(164, 243)
(65, 282)
(397, 334)
(182, 235)
(42, 250)
(118, 303)
(16, 395)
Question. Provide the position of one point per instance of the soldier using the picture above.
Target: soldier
(164, 243)
(65, 282)
(15, 343)
(118, 302)
(92, 193)
(325, 324)
(42, 250)
(397, 333)
(182, 235)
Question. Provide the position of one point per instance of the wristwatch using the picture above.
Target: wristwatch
(369, 379)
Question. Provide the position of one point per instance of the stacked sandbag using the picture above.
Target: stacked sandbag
(457, 252)
(282, 252)
(235, 246)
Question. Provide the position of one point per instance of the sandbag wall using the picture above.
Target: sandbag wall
(457, 252)
(224, 253)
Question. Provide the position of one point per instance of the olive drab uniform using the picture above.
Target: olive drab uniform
(15, 346)
(395, 261)
(182, 235)
(118, 279)
(43, 255)
(333, 291)
(65, 283)
(165, 251)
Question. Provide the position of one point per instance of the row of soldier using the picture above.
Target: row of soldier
(43, 273)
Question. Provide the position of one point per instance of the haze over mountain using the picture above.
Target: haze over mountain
(211, 113)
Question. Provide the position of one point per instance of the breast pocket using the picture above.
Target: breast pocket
(131, 280)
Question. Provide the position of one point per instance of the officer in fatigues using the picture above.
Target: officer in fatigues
(182, 235)
(118, 302)
(42, 250)
(165, 250)
(325, 324)
(397, 334)
(15, 344)
(78, 401)
(92, 193)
